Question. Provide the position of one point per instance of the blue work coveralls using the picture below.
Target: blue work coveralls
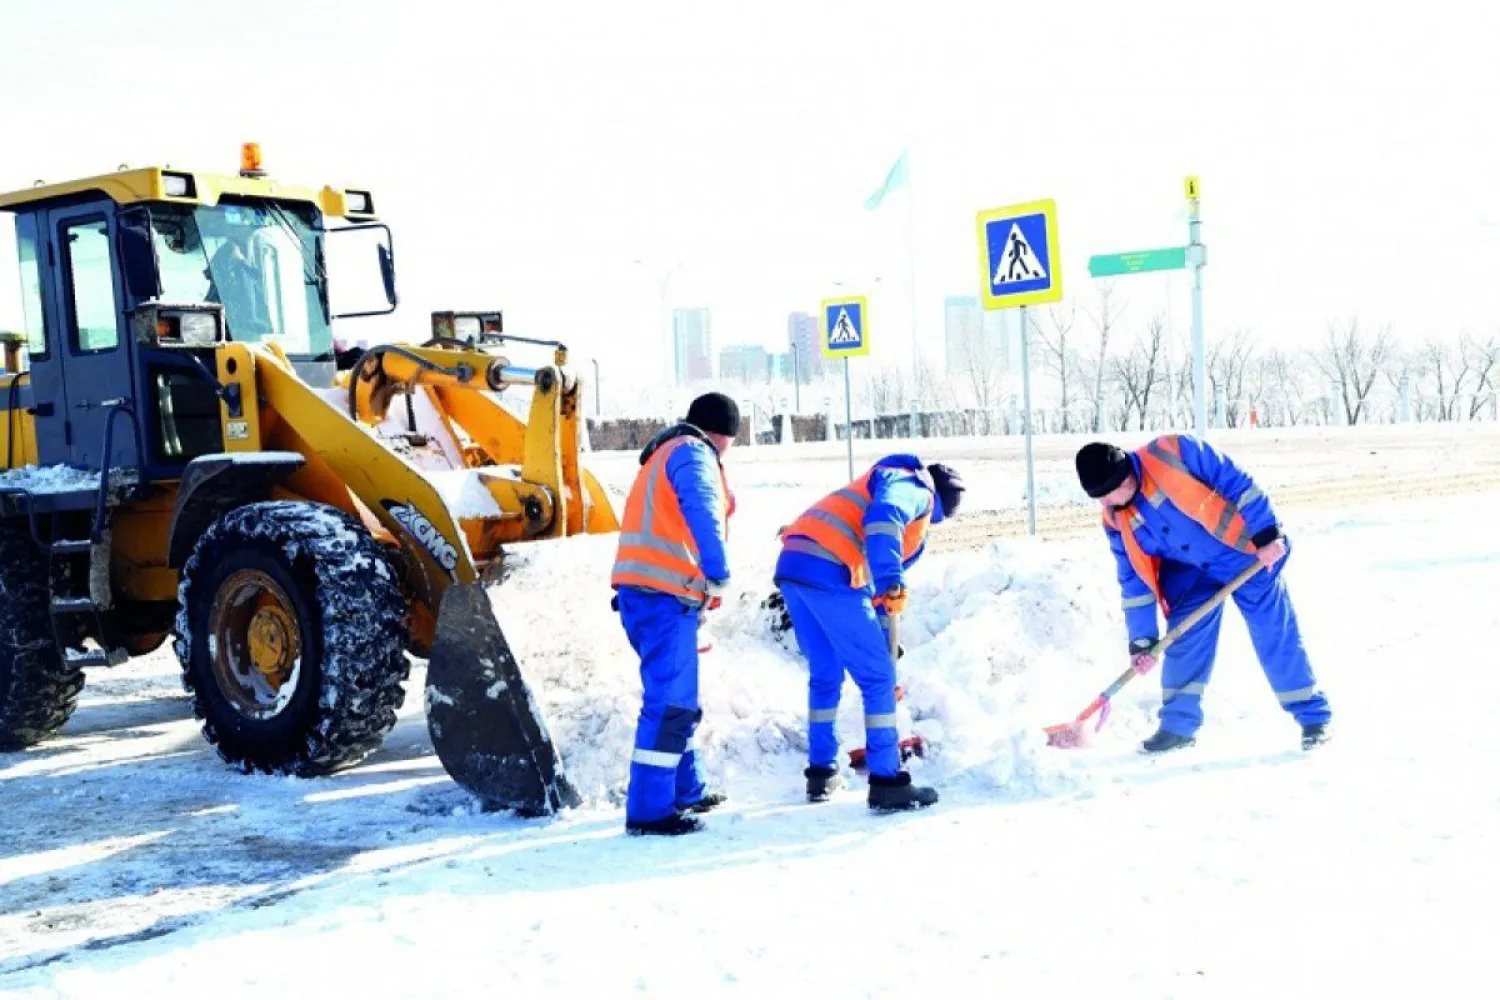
(837, 626)
(665, 773)
(1194, 565)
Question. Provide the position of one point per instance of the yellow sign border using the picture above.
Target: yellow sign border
(864, 332)
(1046, 207)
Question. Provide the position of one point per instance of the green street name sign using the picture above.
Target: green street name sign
(1138, 262)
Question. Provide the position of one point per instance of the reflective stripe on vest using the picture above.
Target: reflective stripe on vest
(834, 529)
(1165, 478)
(657, 550)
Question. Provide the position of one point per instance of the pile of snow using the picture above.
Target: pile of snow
(464, 492)
(48, 479)
(998, 642)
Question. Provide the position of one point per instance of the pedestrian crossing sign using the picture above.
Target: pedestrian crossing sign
(1019, 256)
(846, 327)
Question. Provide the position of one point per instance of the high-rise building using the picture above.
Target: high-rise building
(805, 344)
(745, 363)
(1002, 345)
(692, 345)
(787, 365)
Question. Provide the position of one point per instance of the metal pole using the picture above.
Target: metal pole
(598, 389)
(674, 377)
(1026, 419)
(911, 274)
(796, 381)
(848, 419)
(1200, 363)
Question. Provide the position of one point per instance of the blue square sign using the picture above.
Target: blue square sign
(1019, 254)
(846, 332)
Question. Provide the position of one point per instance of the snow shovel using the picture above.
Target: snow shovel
(912, 744)
(1070, 734)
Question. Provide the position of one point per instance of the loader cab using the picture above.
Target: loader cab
(116, 387)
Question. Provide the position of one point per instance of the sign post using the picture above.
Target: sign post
(846, 334)
(1026, 401)
(1196, 261)
(1193, 256)
(1022, 266)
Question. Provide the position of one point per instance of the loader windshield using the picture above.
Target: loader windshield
(261, 261)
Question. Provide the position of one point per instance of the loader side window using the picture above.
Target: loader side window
(27, 246)
(91, 285)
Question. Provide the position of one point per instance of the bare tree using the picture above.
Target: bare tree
(983, 367)
(1058, 356)
(1286, 376)
(886, 389)
(1227, 362)
(1140, 370)
(1103, 318)
(1352, 359)
(1404, 373)
(1448, 368)
(1483, 358)
(932, 390)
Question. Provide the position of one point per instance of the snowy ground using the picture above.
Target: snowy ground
(134, 863)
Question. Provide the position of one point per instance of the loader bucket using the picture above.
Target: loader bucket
(488, 731)
(601, 516)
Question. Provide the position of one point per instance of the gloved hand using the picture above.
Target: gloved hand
(893, 601)
(1142, 659)
(1271, 553)
(713, 594)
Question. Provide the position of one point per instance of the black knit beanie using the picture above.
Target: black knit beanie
(1101, 468)
(715, 413)
(950, 488)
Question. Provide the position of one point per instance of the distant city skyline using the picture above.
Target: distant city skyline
(750, 363)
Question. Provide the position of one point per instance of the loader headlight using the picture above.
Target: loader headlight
(471, 328)
(197, 330)
(358, 202)
(466, 328)
(160, 325)
(177, 185)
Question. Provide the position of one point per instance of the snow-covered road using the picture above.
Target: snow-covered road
(134, 864)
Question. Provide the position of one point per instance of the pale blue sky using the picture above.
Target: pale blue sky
(527, 153)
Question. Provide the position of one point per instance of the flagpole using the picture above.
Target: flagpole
(911, 278)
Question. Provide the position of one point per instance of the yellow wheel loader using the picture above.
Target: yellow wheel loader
(187, 451)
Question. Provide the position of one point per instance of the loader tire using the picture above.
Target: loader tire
(38, 688)
(291, 634)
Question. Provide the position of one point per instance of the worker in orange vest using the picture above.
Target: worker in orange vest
(842, 572)
(1183, 520)
(672, 566)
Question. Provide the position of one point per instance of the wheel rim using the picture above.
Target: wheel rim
(255, 643)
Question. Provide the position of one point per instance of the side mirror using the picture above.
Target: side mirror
(352, 287)
(388, 272)
(137, 252)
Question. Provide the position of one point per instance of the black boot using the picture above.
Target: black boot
(822, 782)
(897, 793)
(1163, 741)
(1315, 734)
(709, 802)
(670, 826)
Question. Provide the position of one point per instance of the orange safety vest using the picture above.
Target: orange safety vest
(834, 529)
(1164, 478)
(657, 549)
